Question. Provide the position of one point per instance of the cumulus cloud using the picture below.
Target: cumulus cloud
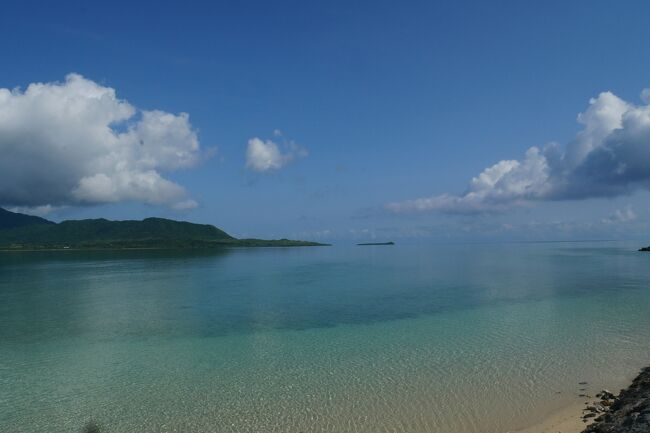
(265, 156)
(609, 157)
(76, 143)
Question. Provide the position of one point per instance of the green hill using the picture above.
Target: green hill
(18, 231)
(10, 220)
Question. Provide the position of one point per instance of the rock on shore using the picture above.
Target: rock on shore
(629, 412)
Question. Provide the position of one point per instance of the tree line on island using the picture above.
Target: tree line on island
(19, 232)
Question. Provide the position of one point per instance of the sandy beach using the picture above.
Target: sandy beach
(567, 420)
(627, 412)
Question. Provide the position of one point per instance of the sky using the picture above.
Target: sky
(336, 121)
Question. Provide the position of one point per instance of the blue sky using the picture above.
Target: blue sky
(378, 103)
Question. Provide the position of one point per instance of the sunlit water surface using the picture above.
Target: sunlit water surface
(452, 338)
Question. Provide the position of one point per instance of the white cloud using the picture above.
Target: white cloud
(75, 143)
(621, 216)
(265, 156)
(36, 210)
(609, 157)
(496, 187)
(645, 96)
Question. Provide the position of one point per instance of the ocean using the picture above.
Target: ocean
(459, 338)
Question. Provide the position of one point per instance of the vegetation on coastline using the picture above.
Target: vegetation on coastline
(24, 232)
(10, 220)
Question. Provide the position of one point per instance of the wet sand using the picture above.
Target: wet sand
(568, 420)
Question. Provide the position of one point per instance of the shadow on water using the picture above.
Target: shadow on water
(30, 257)
(102, 295)
(91, 427)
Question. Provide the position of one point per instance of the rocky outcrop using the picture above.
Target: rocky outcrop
(627, 413)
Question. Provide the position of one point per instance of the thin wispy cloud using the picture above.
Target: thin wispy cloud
(610, 157)
(76, 143)
(620, 216)
(41, 211)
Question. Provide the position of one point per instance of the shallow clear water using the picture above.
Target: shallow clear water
(452, 338)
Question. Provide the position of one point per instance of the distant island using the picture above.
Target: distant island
(644, 249)
(25, 232)
(378, 243)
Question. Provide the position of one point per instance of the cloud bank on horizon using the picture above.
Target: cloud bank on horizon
(609, 157)
(76, 143)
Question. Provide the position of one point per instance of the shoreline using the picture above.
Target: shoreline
(566, 420)
(209, 248)
(629, 411)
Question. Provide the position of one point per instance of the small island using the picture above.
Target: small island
(377, 243)
(644, 249)
(25, 232)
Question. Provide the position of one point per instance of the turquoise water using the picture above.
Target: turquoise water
(454, 338)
